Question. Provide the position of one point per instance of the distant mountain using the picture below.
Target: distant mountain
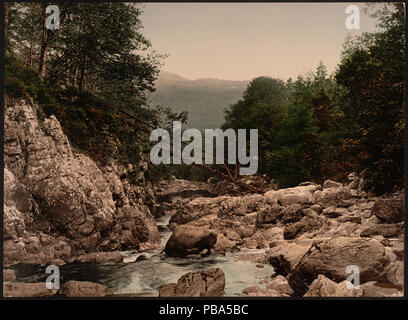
(203, 99)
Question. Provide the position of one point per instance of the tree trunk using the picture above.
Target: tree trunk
(31, 51)
(6, 25)
(75, 77)
(44, 45)
(82, 78)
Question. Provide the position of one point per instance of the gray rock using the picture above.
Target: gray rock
(292, 213)
(395, 274)
(208, 283)
(331, 258)
(286, 255)
(389, 210)
(187, 240)
(306, 224)
(385, 230)
(269, 214)
(84, 289)
(9, 275)
(19, 289)
(98, 257)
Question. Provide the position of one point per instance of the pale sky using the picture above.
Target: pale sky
(240, 41)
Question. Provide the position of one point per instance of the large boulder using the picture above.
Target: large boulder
(284, 256)
(289, 196)
(332, 257)
(208, 283)
(395, 274)
(324, 287)
(389, 210)
(20, 289)
(332, 196)
(84, 289)
(187, 240)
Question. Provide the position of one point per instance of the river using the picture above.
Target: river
(142, 273)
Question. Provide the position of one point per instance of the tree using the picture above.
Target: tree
(372, 75)
(264, 103)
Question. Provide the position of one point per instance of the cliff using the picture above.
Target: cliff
(59, 203)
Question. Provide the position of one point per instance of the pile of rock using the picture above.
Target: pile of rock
(311, 234)
(207, 283)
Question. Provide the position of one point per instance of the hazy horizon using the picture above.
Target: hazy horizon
(240, 41)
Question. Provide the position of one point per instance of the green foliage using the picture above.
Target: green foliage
(372, 74)
(96, 65)
(321, 127)
(15, 88)
(20, 80)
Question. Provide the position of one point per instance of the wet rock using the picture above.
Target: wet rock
(187, 240)
(84, 289)
(205, 253)
(98, 257)
(389, 210)
(385, 230)
(331, 258)
(20, 289)
(36, 248)
(208, 283)
(256, 257)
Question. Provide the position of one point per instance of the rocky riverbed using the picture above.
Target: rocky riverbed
(112, 236)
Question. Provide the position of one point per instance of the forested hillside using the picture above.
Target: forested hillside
(203, 99)
(96, 65)
(322, 126)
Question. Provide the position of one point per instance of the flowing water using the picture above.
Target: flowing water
(142, 273)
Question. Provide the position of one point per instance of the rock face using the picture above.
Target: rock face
(208, 283)
(58, 202)
(187, 240)
(84, 289)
